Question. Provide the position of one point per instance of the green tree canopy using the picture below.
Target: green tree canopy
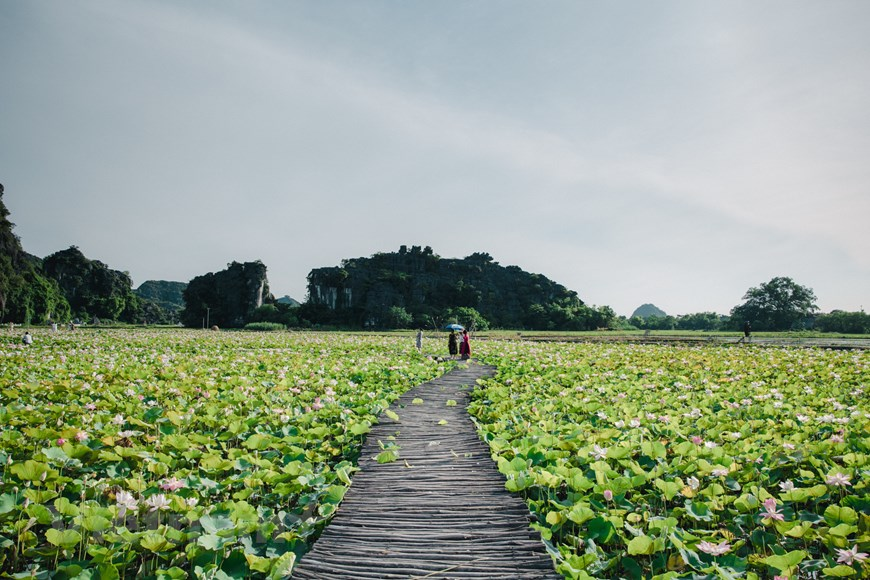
(780, 304)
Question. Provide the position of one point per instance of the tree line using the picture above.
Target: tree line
(411, 288)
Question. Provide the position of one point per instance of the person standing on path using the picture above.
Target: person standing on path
(419, 340)
(452, 344)
(465, 346)
(747, 331)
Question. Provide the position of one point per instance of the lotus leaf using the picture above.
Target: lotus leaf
(64, 539)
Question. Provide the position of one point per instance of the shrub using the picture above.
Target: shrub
(265, 326)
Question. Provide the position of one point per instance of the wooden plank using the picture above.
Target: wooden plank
(440, 511)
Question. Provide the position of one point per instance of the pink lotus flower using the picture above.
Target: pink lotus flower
(157, 502)
(608, 495)
(172, 484)
(770, 512)
(81, 436)
(849, 556)
(125, 502)
(838, 480)
(598, 452)
(714, 549)
(61, 441)
(697, 440)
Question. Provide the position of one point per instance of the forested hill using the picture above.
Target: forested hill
(25, 293)
(416, 287)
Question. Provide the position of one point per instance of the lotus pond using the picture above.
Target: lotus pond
(177, 454)
(646, 461)
(222, 455)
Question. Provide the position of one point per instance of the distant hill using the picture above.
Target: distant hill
(648, 310)
(168, 295)
(417, 288)
(26, 294)
(287, 300)
(227, 298)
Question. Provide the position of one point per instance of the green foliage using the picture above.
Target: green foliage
(265, 326)
(26, 296)
(398, 317)
(673, 459)
(160, 301)
(227, 298)
(780, 304)
(432, 290)
(92, 288)
(843, 322)
(467, 317)
(697, 321)
(188, 451)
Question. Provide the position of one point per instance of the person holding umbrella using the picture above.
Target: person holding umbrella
(452, 343)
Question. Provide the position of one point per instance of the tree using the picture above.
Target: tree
(844, 322)
(780, 304)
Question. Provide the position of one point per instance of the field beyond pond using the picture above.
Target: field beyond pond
(175, 454)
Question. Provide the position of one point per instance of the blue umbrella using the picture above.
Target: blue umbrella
(454, 327)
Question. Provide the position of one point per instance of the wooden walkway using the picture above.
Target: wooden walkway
(440, 511)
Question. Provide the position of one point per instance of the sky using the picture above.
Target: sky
(673, 152)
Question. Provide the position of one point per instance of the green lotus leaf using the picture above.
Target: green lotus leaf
(519, 482)
(173, 573)
(601, 529)
(33, 471)
(669, 488)
(64, 539)
(215, 523)
(698, 510)
(258, 563)
(786, 562)
(580, 514)
(387, 456)
(282, 566)
(840, 571)
(843, 530)
(213, 542)
(95, 523)
(653, 449)
(641, 545)
(835, 514)
(7, 503)
(179, 442)
(258, 441)
(360, 428)
(41, 496)
(747, 503)
(155, 542)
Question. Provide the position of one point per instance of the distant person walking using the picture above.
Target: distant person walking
(465, 346)
(453, 343)
(747, 331)
(419, 340)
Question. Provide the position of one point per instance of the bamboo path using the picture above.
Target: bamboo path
(439, 512)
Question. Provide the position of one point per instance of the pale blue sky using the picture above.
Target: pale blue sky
(673, 152)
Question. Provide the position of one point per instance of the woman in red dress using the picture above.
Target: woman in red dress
(465, 346)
